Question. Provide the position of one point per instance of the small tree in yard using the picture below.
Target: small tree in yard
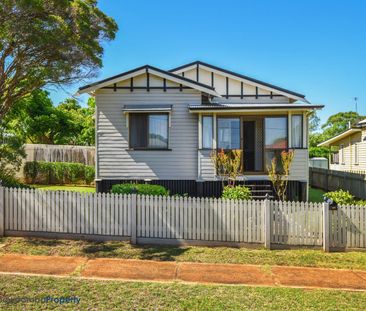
(279, 176)
(228, 165)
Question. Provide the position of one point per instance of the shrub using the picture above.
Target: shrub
(341, 197)
(9, 181)
(58, 172)
(145, 189)
(237, 193)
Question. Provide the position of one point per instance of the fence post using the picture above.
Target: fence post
(267, 223)
(326, 227)
(133, 218)
(2, 210)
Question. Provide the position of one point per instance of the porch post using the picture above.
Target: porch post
(289, 135)
(214, 142)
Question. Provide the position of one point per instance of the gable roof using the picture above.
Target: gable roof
(240, 76)
(340, 136)
(153, 70)
(354, 129)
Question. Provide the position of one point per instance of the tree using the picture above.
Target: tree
(278, 173)
(48, 42)
(338, 123)
(314, 122)
(11, 152)
(38, 121)
(228, 165)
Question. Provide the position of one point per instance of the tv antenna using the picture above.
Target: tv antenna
(356, 101)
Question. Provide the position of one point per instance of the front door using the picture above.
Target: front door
(249, 145)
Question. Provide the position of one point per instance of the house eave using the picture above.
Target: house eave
(152, 70)
(251, 108)
(249, 80)
(334, 139)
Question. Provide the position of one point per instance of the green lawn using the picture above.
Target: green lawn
(316, 195)
(115, 295)
(77, 188)
(260, 256)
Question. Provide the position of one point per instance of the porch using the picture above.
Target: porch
(261, 137)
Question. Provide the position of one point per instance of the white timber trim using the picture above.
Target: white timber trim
(200, 131)
(109, 82)
(289, 129)
(304, 130)
(214, 141)
(225, 74)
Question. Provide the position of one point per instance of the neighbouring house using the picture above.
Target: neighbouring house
(350, 147)
(160, 127)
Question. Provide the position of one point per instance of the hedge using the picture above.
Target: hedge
(39, 172)
(146, 189)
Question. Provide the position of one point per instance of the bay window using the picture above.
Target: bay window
(228, 133)
(207, 132)
(296, 131)
(148, 131)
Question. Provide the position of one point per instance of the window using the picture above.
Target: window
(296, 131)
(148, 131)
(275, 133)
(207, 132)
(341, 151)
(275, 139)
(228, 133)
(356, 153)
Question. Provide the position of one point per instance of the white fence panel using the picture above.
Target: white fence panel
(200, 219)
(348, 227)
(297, 223)
(32, 210)
(154, 218)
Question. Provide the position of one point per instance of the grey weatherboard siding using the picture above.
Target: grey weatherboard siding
(115, 161)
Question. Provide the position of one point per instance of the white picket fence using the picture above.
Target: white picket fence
(172, 220)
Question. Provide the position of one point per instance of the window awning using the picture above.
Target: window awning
(147, 108)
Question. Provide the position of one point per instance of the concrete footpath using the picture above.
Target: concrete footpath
(146, 270)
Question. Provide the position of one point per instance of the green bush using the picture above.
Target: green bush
(145, 189)
(237, 193)
(342, 197)
(11, 182)
(58, 172)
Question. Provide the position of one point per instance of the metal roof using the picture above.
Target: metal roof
(232, 106)
(346, 133)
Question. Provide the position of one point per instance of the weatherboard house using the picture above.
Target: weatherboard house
(350, 145)
(160, 126)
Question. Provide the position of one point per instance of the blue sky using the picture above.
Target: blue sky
(317, 48)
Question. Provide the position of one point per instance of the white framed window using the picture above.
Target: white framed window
(148, 130)
(228, 133)
(207, 132)
(296, 131)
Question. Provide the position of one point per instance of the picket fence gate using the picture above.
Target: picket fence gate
(179, 220)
